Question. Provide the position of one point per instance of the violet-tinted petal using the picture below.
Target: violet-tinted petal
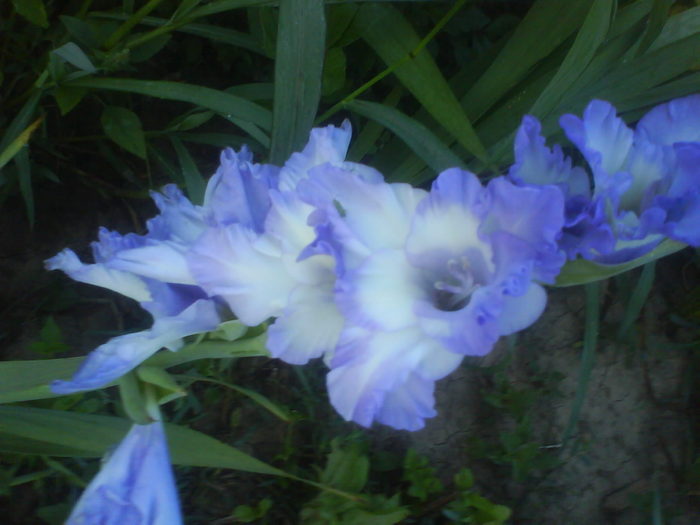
(532, 214)
(121, 354)
(135, 486)
(246, 270)
(602, 137)
(327, 144)
(239, 190)
(536, 164)
(378, 375)
(179, 220)
(674, 121)
(161, 260)
(119, 281)
(309, 327)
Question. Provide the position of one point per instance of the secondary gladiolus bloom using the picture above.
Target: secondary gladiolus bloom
(646, 181)
(425, 279)
(135, 486)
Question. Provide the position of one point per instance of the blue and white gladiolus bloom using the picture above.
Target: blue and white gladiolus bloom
(645, 181)
(425, 279)
(135, 485)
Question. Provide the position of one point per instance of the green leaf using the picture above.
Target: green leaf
(221, 102)
(92, 435)
(419, 138)
(32, 10)
(386, 30)
(194, 181)
(123, 126)
(24, 177)
(648, 70)
(29, 380)
(72, 54)
(681, 25)
(301, 38)
(20, 123)
(657, 20)
(582, 271)
(67, 98)
(14, 147)
(591, 35)
(333, 71)
(167, 387)
(346, 467)
(149, 48)
(81, 31)
(547, 24)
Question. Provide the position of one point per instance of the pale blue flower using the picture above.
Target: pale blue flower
(135, 485)
(255, 266)
(424, 279)
(645, 181)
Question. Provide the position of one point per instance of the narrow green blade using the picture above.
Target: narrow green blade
(219, 101)
(391, 36)
(420, 139)
(301, 36)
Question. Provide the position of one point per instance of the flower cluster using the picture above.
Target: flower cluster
(645, 182)
(392, 285)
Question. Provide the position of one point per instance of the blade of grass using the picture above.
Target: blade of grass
(392, 37)
(590, 340)
(18, 143)
(301, 36)
(419, 138)
(21, 121)
(556, 19)
(637, 299)
(228, 105)
(657, 19)
(24, 176)
(194, 182)
(260, 399)
(591, 35)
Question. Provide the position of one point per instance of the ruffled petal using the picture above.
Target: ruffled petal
(119, 355)
(308, 328)
(135, 486)
(119, 281)
(447, 222)
(377, 375)
(161, 260)
(328, 144)
(239, 190)
(382, 292)
(247, 271)
(602, 137)
(674, 121)
(536, 164)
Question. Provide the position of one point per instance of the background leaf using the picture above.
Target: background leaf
(301, 38)
(123, 126)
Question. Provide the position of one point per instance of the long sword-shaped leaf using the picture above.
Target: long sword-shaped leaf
(29, 380)
(547, 24)
(589, 38)
(391, 36)
(91, 436)
(581, 271)
(419, 138)
(301, 37)
(219, 101)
